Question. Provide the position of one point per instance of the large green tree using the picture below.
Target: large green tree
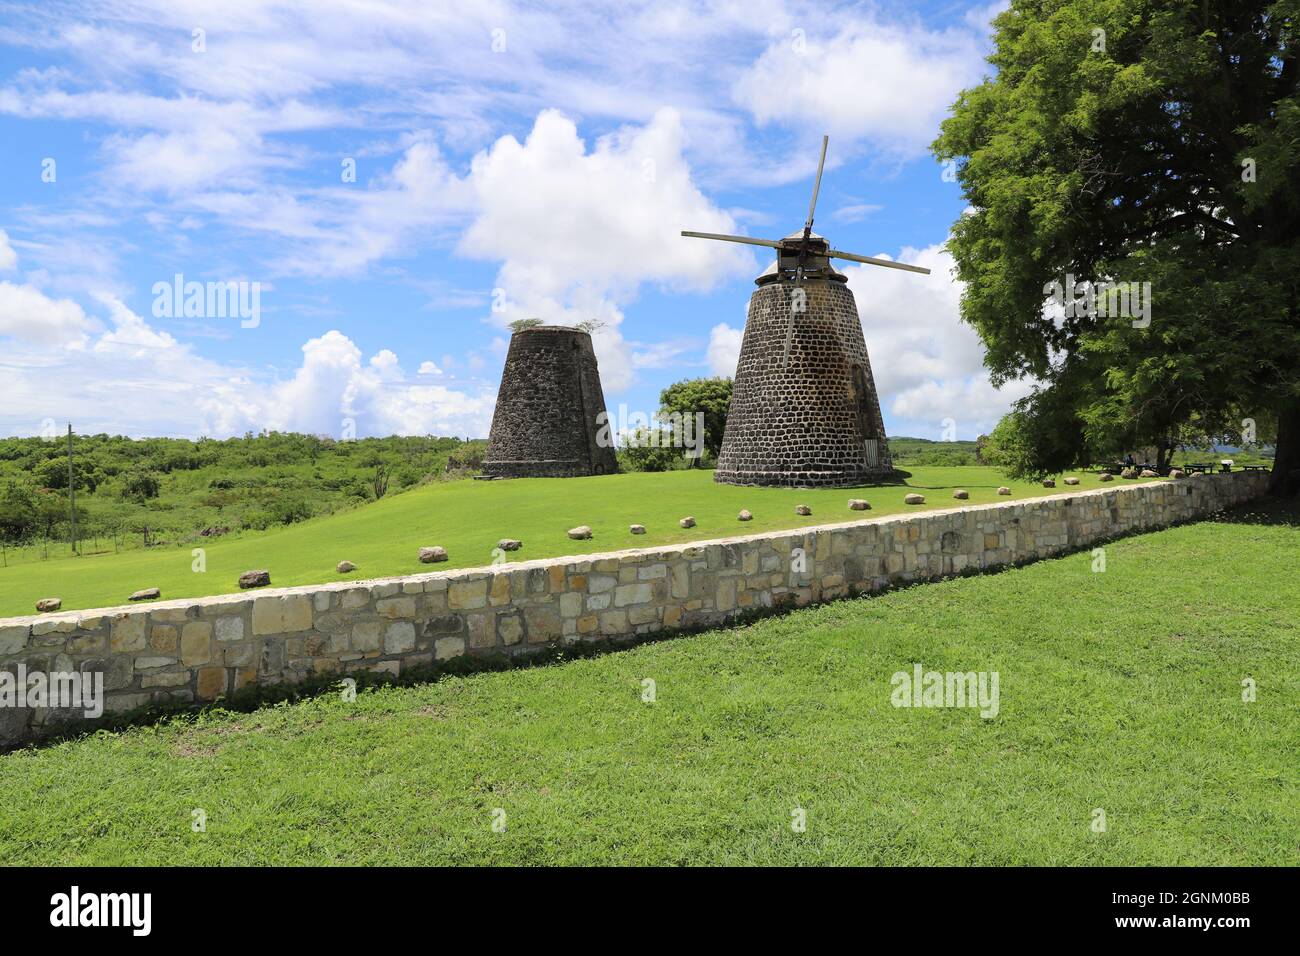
(1140, 141)
(708, 396)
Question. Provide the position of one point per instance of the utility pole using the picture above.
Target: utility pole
(72, 493)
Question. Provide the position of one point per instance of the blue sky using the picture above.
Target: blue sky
(512, 160)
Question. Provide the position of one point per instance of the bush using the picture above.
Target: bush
(643, 451)
(140, 485)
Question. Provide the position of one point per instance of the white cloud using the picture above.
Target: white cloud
(139, 380)
(333, 385)
(29, 315)
(870, 80)
(579, 231)
(724, 349)
(428, 368)
(131, 335)
(612, 216)
(854, 213)
(8, 258)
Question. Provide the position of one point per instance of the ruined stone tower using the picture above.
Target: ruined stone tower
(546, 418)
(804, 410)
(812, 418)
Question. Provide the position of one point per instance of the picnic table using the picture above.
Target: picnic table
(1204, 467)
(1254, 467)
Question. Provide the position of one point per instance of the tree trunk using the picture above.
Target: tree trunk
(1286, 466)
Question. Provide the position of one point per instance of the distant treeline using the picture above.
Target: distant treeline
(923, 451)
(151, 491)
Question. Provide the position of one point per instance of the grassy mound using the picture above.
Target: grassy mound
(468, 518)
(1119, 691)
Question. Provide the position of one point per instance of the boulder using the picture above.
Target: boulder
(1049, 482)
(914, 499)
(1177, 473)
(1071, 480)
(687, 522)
(745, 515)
(433, 555)
(145, 594)
(1148, 473)
(580, 533)
(637, 529)
(1129, 473)
(45, 605)
(1105, 476)
(254, 579)
(961, 494)
(859, 504)
(345, 567)
(509, 544)
(802, 510)
(1004, 490)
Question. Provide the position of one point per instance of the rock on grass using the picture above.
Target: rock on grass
(433, 555)
(255, 579)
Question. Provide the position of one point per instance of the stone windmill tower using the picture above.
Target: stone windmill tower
(804, 410)
(549, 409)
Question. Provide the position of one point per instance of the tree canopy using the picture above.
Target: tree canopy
(711, 396)
(1136, 141)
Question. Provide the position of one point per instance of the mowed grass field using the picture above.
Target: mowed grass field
(468, 518)
(1120, 691)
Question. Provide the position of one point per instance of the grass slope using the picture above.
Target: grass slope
(469, 518)
(1119, 690)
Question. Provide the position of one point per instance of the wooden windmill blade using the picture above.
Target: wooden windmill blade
(873, 261)
(803, 247)
(723, 237)
(817, 186)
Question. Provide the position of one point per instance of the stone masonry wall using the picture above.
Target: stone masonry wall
(200, 649)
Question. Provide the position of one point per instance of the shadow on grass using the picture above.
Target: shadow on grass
(1264, 511)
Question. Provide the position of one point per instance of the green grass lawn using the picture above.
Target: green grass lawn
(468, 518)
(1119, 690)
